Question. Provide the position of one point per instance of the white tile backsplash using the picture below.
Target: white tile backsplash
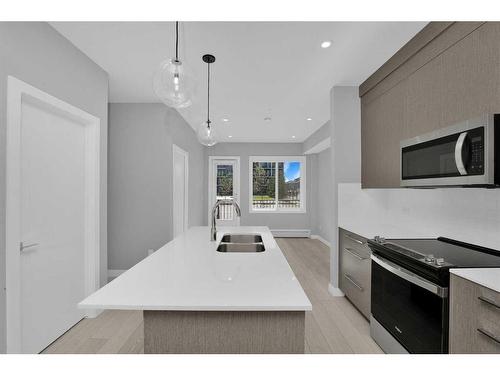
(465, 214)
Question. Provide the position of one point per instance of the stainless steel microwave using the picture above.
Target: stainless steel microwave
(464, 154)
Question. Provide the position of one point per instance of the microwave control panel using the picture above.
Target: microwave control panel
(476, 161)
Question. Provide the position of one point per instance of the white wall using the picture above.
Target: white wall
(37, 54)
(469, 215)
(140, 179)
(345, 122)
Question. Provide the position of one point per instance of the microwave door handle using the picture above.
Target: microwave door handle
(458, 154)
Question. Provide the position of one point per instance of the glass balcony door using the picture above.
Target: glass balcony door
(224, 184)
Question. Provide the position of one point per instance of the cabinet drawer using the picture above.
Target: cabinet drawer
(357, 266)
(355, 269)
(358, 295)
(474, 318)
(356, 244)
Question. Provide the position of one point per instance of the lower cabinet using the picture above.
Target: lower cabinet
(474, 318)
(355, 270)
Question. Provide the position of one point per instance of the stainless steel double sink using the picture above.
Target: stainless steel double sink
(241, 243)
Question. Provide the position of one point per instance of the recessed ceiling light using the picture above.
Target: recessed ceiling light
(225, 119)
(267, 118)
(293, 136)
(309, 119)
(230, 136)
(326, 44)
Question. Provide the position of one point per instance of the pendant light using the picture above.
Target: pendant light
(206, 130)
(173, 82)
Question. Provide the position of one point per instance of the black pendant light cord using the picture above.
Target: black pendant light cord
(208, 96)
(176, 40)
(208, 59)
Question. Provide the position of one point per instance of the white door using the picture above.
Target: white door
(52, 228)
(180, 190)
(225, 185)
(52, 225)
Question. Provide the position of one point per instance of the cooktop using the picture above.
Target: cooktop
(435, 256)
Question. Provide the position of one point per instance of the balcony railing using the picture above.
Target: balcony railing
(226, 211)
(271, 203)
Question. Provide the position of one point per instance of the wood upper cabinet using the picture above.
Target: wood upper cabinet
(460, 82)
(383, 125)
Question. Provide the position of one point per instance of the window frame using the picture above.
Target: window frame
(303, 184)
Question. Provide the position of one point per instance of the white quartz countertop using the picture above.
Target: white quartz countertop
(189, 274)
(487, 277)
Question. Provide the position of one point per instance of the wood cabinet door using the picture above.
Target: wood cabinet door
(383, 126)
(461, 83)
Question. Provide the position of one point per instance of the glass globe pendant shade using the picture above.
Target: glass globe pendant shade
(206, 134)
(174, 84)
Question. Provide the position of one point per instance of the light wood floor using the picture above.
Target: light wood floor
(333, 326)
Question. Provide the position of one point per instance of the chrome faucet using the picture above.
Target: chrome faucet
(213, 232)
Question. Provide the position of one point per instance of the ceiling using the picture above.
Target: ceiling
(263, 69)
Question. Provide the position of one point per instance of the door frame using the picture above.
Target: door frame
(236, 172)
(185, 154)
(17, 93)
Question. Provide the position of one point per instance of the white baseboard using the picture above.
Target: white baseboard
(319, 238)
(114, 273)
(93, 313)
(335, 292)
(291, 233)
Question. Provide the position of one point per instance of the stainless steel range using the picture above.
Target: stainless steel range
(409, 291)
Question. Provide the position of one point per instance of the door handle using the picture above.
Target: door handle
(410, 276)
(489, 335)
(353, 253)
(24, 247)
(458, 154)
(355, 239)
(489, 301)
(349, 278)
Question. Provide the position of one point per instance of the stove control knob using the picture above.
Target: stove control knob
(439, 261)
(429, 258)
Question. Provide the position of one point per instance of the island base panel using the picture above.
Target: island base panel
(229, 332)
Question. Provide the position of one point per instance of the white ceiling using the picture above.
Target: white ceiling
(275, 69)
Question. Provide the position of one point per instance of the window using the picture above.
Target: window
(277, 184)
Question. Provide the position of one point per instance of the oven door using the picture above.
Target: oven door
(412, 309)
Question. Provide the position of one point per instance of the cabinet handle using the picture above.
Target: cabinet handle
(489, 334)
(353, 253)
(355, 239)
(488, 301)
(353, 282)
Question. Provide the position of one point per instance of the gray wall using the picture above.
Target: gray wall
(321, 220)
(323, 196)
(140, 179)
(316, 137)
(346, 155)
(35, 53)
(272, 220)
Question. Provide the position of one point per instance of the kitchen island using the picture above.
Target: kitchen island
(198, 300)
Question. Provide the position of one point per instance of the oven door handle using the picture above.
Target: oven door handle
(410, 276)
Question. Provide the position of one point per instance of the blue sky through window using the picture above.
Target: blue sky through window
(292, 170)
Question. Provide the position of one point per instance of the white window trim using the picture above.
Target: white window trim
(303, 184)
(211, 193)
